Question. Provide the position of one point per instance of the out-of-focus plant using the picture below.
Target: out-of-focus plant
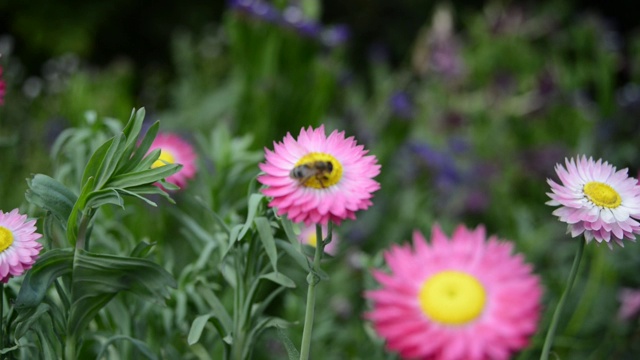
(68, 286)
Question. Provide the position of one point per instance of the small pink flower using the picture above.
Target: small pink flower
(317, 178)
(466, 298)
(18, 246)
(629, 303)
(596, 200)
(175, 150)
(308, 236)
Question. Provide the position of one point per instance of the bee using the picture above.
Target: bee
(320, 170)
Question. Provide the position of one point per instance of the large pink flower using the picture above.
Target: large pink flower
(175, 150)
(467, 298)
(596, 200)
(317, 178)
(18, 246)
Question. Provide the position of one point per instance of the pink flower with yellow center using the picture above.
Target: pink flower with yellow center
(308, 236)
(18, 246)
(175, 150)
(596, 200)
(467, 298)
(317, 178)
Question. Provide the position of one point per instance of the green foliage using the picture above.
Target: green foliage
(494, 99)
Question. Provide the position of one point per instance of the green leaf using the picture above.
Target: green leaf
(47, 268)
(78, 207)
(295, 253)
(96, 160)
(140, 345)
(197, 327)
(132, 163)
(217, 308)
(266, 236)
(110, 161)
(49, 194)
(254, 201)
(143, 177)
(279, 279)
(28, 318)
(97, 278)
(104, 196)
(287, 225)
(292, 351)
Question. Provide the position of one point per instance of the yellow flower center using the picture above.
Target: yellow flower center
(452, 297)
(6, 238)
(164, 159)
(602, 194)
(312, 240)
(317, 170)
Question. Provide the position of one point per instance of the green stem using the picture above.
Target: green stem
(312, 279)
(556, 315)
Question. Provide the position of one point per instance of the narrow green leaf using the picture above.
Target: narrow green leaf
(143, 177)
(292, 351)
(287, 225)
(110, 161)
(197, 327)
(279, 279)
(140, 345)
(104, 196)
(27, 319)
(233, 237)
(47, 268)
(78, 207)
(49, 194)
(266, 236)
(98, 277)
(96, 160)
(295, 253)
(254, 201)
(139, 152)
(216, 306)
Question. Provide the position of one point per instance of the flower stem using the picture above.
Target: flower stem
(312, 279)
(556, 315)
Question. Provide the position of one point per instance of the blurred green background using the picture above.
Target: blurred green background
(468, 106)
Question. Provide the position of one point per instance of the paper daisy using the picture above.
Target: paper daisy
(308, 236)
(317, 178)
(175, 150)
(596, 200)
(18, 246)
(465, 298)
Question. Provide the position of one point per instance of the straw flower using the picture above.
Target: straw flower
(18, 246)
(596, 200)
(175, 150)
(466, 298)
(317, 178)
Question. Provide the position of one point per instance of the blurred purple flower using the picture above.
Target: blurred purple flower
(445, 57)
(401, 105)
(443, 165)
(629, 303)
(256, 9)
(335, 36)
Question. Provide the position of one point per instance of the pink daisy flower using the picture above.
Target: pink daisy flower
(308, 236)
(629, 303)
(18, 246)
(467, 298)
(175, 150)
(596, 200)
(317, 178)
